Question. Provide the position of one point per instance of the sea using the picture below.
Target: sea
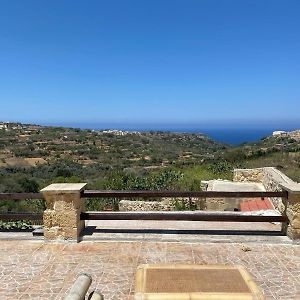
(233, 135)
(237, 136)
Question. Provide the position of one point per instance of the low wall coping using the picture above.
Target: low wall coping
(293, 188)
(64, 187)
(283, 181)
(233, 186)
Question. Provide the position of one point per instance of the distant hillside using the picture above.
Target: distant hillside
(32, 156)
(26, 145)
(280, 150)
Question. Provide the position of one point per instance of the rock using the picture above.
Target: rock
(245, 248)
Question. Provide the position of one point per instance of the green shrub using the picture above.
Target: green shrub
(8, 225)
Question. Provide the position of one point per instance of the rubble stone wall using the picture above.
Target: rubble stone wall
(271, 178)
(218, 204)
(248, 175)
(274, 180)
(166, 204)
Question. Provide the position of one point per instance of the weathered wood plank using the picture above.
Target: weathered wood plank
(21, 216)
(150, 194)
(181, 216)
(20, 196)
(153, 194)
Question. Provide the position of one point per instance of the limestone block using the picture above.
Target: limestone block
(51, 233)
(295, 222)
(50, 199)
(293, 233)
(73, 199)
(48, 218)
(293, 210)
(62, 216)
(294, 202)
(64, 188)
(248, 175)
(62, 205)
(58, 233)
(66, 204)
(70, 233)
(65, 219)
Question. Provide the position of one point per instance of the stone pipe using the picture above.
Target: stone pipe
(95, 295)
(80, 287)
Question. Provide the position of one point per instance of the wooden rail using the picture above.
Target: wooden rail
(171, 194)
(9, 216)
(150, 194)
(174, 215)
(20, 216)
(181, 216)
(20, 196)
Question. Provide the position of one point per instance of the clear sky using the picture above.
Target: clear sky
(158, 61)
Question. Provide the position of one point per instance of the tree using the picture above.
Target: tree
(29, 185)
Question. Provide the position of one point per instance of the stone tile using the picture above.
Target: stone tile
(38, 270)
(38, 296)
(179, 253)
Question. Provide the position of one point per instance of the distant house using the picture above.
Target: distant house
(278, 133)
(3, 126)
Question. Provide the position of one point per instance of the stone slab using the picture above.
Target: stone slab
(229, 186)
(64, 187)
(293, 188)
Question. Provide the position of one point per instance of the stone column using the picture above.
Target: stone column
(62, 216)
(293, 212)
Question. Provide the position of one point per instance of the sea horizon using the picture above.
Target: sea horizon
(234, 135)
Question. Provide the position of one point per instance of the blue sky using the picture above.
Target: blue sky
(144, 62)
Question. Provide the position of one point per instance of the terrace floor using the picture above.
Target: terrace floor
(33, 269)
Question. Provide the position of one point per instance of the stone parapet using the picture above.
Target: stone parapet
(271, 178)
(230, 204)
(293, 212)
(62, 216)
(274, 180)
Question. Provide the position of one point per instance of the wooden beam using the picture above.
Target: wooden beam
(21, 216)
(170, 194)
(181, 216)
(20, 196)
(150, 194)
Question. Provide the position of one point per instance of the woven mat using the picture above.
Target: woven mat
(194, 280)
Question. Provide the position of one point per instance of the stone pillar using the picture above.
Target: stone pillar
(62, 216)
(293, 214)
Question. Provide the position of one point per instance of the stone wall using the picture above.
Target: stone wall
(272, 179)
(128, 205)
(228, 203)
(166, 204)
(217, 204)
(248, 175)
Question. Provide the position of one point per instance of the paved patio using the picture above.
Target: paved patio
(33, 269)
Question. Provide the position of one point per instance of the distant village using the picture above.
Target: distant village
(27, 128)
(291, 134)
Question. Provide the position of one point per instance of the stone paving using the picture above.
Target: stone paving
(183, 231)
(33, 269)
